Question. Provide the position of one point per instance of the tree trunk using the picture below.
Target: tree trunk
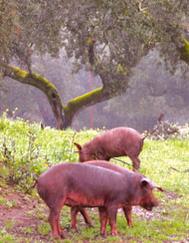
(42, 84)
(63, 114)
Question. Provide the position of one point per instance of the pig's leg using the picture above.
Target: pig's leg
(103, 220)
(136, 163)
(127, 211)
(53, 221)
(54, 218)
(85, 216)
(74, 212)
(112, 214)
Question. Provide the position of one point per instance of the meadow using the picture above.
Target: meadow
(26, 150)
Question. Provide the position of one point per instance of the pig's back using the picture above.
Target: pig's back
(119, 141)
(79, 175)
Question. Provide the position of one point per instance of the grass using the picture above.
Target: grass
(43, 229)
(26, 150)
(7, 203)
(6, 237)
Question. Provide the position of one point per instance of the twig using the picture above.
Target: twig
(175, 169)
(180, 171)
(123, 162)
(140, 8)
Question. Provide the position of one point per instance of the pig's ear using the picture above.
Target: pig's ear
(160, 189)
(78, 146)
(145, 182)
(153, 185)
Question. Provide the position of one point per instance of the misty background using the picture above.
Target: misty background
(152, 91)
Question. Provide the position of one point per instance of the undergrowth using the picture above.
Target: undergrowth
(26, 150)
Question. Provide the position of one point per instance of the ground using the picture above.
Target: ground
(18, 215)
(23, 218)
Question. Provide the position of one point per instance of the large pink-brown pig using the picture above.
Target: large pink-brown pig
(120, 141)
(127, 209)
(86, 185)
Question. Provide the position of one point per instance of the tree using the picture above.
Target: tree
(106, 37)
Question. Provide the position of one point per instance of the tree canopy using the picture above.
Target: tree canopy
(106, 37)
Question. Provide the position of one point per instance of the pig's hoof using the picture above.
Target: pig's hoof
(61, 233)
(103, 235)
(90, 226)
(56, 236)
(68, 227)
(62, 236)
(74, 228)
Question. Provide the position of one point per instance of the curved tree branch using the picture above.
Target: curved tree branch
(42, 84)
(107, 91)
(75, 105)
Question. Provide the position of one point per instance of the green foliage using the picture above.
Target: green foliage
(7, 203)
(6, 237)
(26, 150)
(9, 224)
(114, 34)
(43, 229)
(119, 32)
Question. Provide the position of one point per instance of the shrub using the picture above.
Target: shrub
(26, 150)
(164, 130)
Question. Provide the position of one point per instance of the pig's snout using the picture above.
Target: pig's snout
(149, 206)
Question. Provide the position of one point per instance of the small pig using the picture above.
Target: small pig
(120, 141)
(86, 185)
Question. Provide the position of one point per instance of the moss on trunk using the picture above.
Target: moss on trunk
(185, 51)
(63, 114)
(42, 84)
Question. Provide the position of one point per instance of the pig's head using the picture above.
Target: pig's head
(147, 198)
(83, 153)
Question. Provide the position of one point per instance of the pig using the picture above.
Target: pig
(86, 185)
(126, 209)
(120, 141)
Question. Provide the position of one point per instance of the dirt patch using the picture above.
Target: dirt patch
(19, 217)
(25, 217)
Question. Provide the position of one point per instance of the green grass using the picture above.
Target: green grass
(26, 151)
(9, 224)
(6, 237)
(7, 203)
(43, 229)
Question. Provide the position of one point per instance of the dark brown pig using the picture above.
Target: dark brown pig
(121, 141)
(86, 185)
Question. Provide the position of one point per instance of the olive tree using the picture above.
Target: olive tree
(106, 37)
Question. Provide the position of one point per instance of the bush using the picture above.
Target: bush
(26, 150)
(164, 130)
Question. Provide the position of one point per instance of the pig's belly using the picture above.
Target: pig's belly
(76, 199)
